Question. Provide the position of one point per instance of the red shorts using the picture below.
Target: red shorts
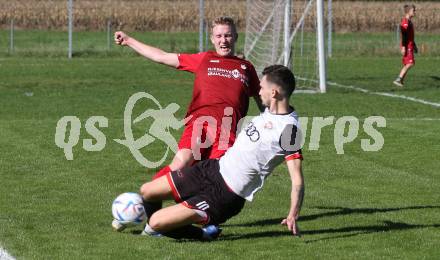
(206, 142)
(408, 58)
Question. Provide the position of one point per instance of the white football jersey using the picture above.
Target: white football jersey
(261, 146)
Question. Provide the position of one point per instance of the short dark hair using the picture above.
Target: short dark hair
(281, 76)
(406, 8)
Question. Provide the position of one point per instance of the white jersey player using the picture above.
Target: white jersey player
(262, 145)
(213, 191)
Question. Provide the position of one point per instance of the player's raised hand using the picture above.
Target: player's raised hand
(291, 224)
(121, 38)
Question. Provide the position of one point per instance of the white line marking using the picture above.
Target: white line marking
(4, 255)
(418, 100)
(408, 98)
(415, 119)
(305, 91)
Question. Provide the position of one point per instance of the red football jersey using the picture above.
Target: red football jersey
(220, 82)
(407, 29)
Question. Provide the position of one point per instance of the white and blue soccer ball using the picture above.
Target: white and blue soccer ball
(128, 208)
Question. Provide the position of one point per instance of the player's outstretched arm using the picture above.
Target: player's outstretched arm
(149, 52)
(296, 195)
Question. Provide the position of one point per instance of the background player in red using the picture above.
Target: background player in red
(222, 81)
(407, 45)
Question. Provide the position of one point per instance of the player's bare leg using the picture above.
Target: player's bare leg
(183, 158)
(399, 81)
(176, 222)
(173, 217)
(405, 70)
(156, 190)
(153, 193)
(168, 218)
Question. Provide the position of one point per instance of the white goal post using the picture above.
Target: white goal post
(290, 33)
(321, 49)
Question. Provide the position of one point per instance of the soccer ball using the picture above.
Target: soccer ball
(128, 208)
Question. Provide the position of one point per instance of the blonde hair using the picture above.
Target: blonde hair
(224, 20)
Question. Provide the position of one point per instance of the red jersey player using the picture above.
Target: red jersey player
(222, 81)
(407, 45)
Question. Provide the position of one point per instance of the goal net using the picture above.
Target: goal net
(268, 42)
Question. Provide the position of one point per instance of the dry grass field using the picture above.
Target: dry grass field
(182, 15)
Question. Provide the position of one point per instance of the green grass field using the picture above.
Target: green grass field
(369, 205)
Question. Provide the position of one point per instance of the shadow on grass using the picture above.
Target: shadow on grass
(336, 211)
(387, 226)
(136, 232)
(340, 211)
(343, 231)
(335, 233)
